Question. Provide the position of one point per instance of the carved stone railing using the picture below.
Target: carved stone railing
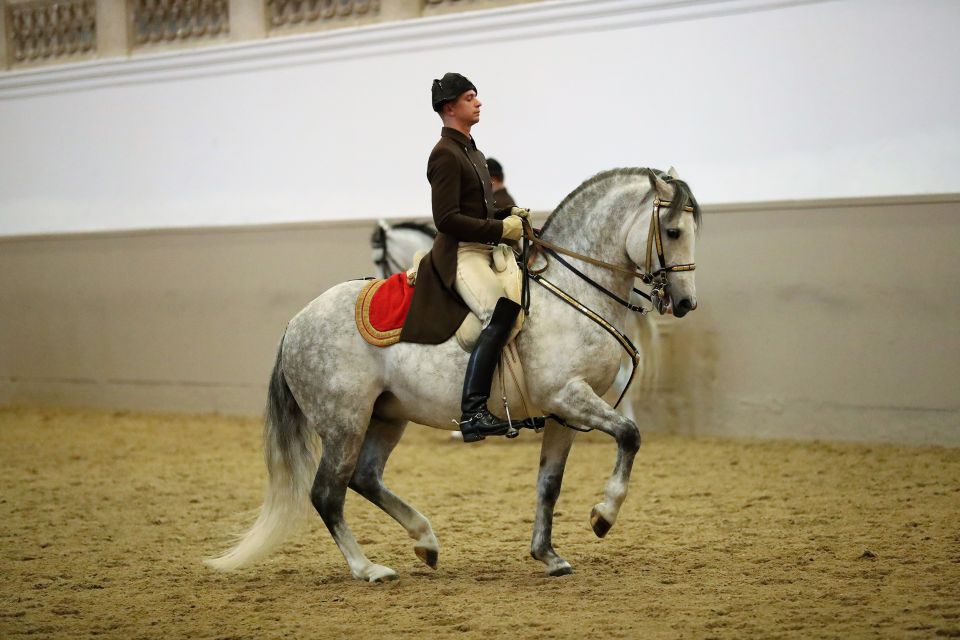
(431, 7)
(293, 13)
(172, 21)
(34, 32)
(41, 32)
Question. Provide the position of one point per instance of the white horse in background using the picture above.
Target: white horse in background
(394, 246)
(330, 386)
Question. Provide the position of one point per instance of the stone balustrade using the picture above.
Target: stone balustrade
(45, 32)
(166, 21)
(286, 14)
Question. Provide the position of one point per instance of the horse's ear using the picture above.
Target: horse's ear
(659, 185)
(673, 173)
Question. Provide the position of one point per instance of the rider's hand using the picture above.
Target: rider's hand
(520, 211)
(512, 228)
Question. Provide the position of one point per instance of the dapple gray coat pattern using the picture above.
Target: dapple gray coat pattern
(329, 386)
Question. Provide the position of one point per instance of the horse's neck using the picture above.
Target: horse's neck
(403, 244)
(596, 227)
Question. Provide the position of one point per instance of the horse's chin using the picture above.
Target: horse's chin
(664, 306)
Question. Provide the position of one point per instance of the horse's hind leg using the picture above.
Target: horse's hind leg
(553, 458)
(341, 447)
(382, 436)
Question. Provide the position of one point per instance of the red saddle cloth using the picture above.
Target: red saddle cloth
(382, 307)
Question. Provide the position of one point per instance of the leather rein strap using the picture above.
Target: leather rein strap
(535, 239)
(598, 319)
(600, 287)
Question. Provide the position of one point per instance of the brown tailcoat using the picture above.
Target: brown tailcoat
(463, 211)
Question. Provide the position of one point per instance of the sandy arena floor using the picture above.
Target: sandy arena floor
(104, 519)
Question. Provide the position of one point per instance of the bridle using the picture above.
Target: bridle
(655, 279)
(658, 279)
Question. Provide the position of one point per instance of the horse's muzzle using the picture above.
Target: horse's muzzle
(684, 306)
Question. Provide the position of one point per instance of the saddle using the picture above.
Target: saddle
(382, 307)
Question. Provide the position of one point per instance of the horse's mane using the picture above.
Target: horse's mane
(684, 197)
(425, 228)
(378, 239)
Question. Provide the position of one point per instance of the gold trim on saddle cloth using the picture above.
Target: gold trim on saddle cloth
(362, 316)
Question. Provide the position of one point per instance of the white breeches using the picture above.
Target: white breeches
(476, 281)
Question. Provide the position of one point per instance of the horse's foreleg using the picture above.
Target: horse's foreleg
(340, 451)
(553, 458)
(578, 404)
(367, 480)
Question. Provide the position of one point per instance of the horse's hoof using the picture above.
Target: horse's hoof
(562, 570)
(600, 524)
(378, 573)
(387, 577)
(428, 556)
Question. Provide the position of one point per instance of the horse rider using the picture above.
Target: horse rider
(501, 197)
(457, 275)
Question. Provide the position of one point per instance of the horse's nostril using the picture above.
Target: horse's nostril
(683, 307)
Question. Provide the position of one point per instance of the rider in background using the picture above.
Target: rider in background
(457, 275)
(501, 197)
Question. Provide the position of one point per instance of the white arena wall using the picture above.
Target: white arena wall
(751, 100)
(162, 216)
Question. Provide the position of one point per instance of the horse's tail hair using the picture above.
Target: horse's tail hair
(289, 447)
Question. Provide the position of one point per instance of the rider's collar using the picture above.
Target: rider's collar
(450, 132)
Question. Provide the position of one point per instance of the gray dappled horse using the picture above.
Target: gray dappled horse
(329, 384)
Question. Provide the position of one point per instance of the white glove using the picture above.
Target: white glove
(520, 211)
(512, 228)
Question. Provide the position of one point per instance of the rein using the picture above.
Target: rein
(600, 287)
(531, 234)
(618, 335)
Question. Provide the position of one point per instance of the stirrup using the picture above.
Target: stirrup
(536, 423)
(474, 430)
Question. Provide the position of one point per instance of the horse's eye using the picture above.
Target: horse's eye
(673, 233)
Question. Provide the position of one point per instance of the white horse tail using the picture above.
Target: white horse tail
(291, 466)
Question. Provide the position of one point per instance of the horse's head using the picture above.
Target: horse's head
(664, 246)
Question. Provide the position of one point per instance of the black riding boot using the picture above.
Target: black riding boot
(477, 422)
